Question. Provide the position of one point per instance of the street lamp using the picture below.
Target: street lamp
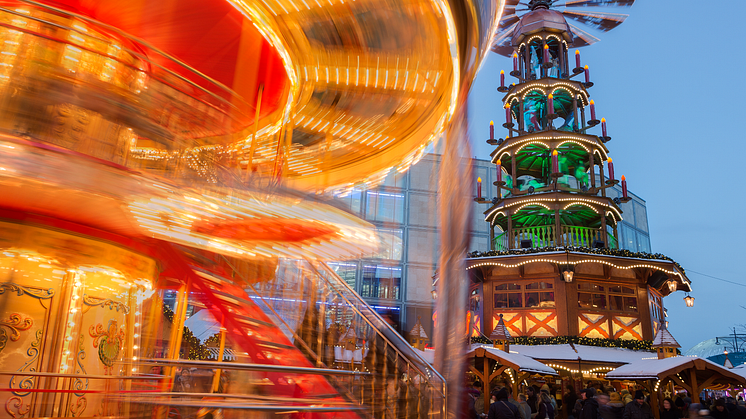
(689, 300)
(672, 285)
(568, 273)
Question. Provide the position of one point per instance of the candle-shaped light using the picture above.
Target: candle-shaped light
(502, 78)
(587, 75)
(624, 187)
(508, 115)
(611, 168)
(479, 188)
(550, 104)
(499, 171)
(555, 162)
(593, 110)
(492, 130)
(603, 127)
(546, 53)
(577, 58)
(515, 61)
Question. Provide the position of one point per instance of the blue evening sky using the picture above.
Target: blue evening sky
(663, 80)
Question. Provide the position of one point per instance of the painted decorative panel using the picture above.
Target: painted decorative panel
(626, 327)
(528, 323)
(541, 323)
(593, 325)
(513, 321)
(24, 325)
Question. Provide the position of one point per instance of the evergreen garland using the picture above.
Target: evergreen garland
(197, 351)
(605, 252)
(636, 345)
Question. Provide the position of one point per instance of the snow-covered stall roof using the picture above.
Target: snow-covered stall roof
(661, 368)
(566, 352)
(514, 360)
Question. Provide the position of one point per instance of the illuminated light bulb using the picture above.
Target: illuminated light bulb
(136, 335)
(135, 347)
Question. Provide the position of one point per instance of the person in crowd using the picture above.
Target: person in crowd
(545, 389)
(608, 409)
(468, 400)
(546, 409)
(669, 410)
(516, 403)
(568, 400)
(590, 405)
(478, 398)
(525, 408)
(718, 410)
(502, 408)
(532, 399)
(577, 410)
(626, 397)
(616, 404)
(734, 411)
(637, 408)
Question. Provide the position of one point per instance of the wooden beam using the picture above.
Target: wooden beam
(486, 383)
(709, 381)
(681, 383)
(695, 387)
(497, 372)
(654, 402)
(476, 372)
(517, 383)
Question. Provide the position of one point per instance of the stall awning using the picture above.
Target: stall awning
(518, 362)
(585, 353)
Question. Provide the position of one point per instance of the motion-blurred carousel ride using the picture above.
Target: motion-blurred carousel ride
(166, 160)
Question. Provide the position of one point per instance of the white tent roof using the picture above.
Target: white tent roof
(514, 360)
(585, 353)
(653, 368)
(202, 325)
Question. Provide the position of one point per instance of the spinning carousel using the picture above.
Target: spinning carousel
(159, 160)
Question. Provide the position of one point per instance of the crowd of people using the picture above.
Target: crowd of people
(594, 403)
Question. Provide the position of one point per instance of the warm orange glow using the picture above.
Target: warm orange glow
(603, 119)
(502, 72)
(499, 163)
(546, 46)
(515, 55)
(609, 160)
(507, 106)
(586, 67)
(551, 96)
(554, 153)
(592, 102)
(479, 180)
(623, 178)
(492, 123)
(577, 52)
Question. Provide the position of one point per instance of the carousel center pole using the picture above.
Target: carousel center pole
(455, 210)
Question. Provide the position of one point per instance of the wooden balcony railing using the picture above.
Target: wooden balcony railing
(546, 236)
